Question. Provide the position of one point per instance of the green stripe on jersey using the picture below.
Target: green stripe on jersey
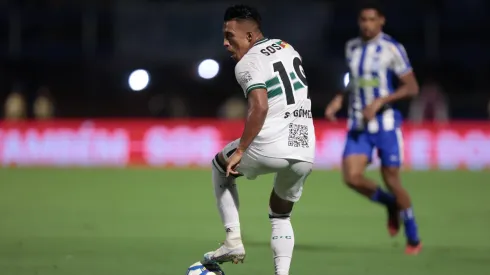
(273, 88)
(275, 92)
(272, 82)
(255, 86)
(297, 85)
(263, 40)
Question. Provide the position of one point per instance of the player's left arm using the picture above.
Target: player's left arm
(251, 80)
(400, 64)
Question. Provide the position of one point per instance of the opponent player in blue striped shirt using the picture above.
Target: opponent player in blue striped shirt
(374, 59)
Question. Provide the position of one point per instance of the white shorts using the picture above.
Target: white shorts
(290, 174)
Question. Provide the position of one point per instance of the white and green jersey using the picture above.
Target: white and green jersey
(288, 131)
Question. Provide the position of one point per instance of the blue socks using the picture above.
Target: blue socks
(387, 199)
(411, 230)
(383, 197)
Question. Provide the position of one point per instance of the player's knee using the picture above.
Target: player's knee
(219, 163)
(353, 170)
(391, 176)
(279, 207)
(353, 180)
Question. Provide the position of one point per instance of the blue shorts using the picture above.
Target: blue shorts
(389, 145)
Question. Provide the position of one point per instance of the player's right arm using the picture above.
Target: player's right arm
(336, 103)
(334, 106)
(251, 79)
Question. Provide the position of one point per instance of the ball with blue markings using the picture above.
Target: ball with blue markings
(204, 269)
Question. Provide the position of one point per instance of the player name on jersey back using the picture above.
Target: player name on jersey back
(288, 130)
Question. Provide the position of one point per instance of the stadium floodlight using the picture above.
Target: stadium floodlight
(208, 69)
(346, 79)
(138, 80)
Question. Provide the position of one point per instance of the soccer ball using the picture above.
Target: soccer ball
(204, 269)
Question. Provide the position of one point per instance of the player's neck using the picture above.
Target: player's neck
(260, 38)
(373, 38)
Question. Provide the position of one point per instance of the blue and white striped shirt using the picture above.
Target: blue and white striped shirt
(373, 65)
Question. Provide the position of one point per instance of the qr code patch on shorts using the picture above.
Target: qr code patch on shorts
(298, 135)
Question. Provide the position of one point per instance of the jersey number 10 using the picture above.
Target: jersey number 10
(288, 87)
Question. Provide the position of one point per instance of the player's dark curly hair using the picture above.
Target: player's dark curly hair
(371, 5)
(242, 12)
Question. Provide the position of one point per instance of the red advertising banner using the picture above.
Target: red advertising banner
(187, 143)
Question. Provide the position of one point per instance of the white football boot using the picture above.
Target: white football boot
(235, 254)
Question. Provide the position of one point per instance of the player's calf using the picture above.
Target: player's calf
(353, 167)
(366, 187)
(353, 173)
(282, 240)
(227, 202)
(391, 177)
(226, 193)
(358, 183)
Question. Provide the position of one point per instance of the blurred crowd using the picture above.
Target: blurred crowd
(431, 105)
(18, 107)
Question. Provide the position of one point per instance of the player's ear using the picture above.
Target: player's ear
(382, 20)
(249, 36)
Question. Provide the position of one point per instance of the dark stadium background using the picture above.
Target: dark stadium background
(99, 179)
(83, 51)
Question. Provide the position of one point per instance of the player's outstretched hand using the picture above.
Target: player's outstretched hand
(330, 113)
(333, 107)
(233, 162)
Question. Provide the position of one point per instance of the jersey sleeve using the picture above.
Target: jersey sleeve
(348, 53)
(248, 74)
(347, 80)
(348, 83)
(400, 63)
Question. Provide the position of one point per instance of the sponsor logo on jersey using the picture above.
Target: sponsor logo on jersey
(368, 83)
(244, 77)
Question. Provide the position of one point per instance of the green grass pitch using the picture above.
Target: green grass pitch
(150, 221)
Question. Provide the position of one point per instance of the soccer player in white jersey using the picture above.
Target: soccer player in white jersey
(373, 59)
(278, 137)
